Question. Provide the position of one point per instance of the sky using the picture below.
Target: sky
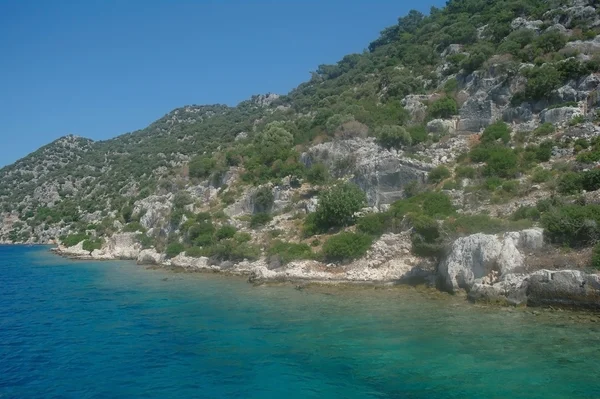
(101, 68)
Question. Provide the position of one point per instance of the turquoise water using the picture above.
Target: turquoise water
(115, 330)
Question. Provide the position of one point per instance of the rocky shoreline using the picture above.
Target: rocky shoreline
(488, 268)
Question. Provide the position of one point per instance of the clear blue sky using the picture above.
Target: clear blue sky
(100, 68)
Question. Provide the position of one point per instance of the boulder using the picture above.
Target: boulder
(571, 288)
(441, 126)
(415, 105)
(483, 256)
(123, 246)
(517, 114)
(192, 264)
(150, 257)
(559, 115)
(476, 113)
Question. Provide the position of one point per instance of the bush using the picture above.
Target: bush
(202, 166)
(317, 174)
(234, 251)
(393, 137)
(288, 251)
(502, 162)
(224, 232)
(465, 172)
(260, 219)
(471, 224)
(526, 212)
(346, 246)
(496, 131)
(133, 227)
(418, 134)
(540, 175)
(263, 199)
(590, 180)
(596, 257)
(573, 225)
(438, 174)
(544, 129)
(73, 239)
(337, 206)
(174, 249)
(437, 204)
(196, 252)
(445, 107)
(373, 223)
(92, 244)
(570, 183)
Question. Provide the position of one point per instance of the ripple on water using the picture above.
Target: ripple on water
(112, 329)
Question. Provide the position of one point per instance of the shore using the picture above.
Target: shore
(573, 289)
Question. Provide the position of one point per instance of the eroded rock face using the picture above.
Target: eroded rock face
(559, 115)
(155, 211)
(122, 246)
(150, 257)
(564, 288)
(484, 256)
(382, 174)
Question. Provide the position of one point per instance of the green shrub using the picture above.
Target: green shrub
(346, 246)
(202, 166)
(317, 174)
(226, 231)
(288, 251)
(502, 162)
(438, 174)
(590, 180)
(133, 227)
(393, 136)
(174, 249)
(526, 212)
(578, 119)
(544, 129)
(231, 250)
(418, 133)
(596, 257)
(426, 236)
(263, 199)
(588, 156)
(92, 244)
(570, 183)
(372, 223)
(437, 204)
(540, 175)
(496, 131)
(260, 219)
(461, 225)
(445, 107)
(573, 225)
(73, 239)
(196, 252)
(337, 206)
(465, 172)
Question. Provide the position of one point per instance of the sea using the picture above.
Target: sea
(87, 329)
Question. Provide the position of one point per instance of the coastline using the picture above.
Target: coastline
(553, 289)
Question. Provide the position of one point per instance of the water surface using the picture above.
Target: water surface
(116, 330)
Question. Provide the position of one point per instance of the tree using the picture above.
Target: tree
(337, 206)
(443, 108)
(274, 143)
(393, 136)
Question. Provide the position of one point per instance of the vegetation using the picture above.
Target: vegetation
(346, 246)
(337, 207)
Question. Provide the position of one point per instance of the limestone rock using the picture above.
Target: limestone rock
(559, 115)
(564, 287)
(382, 174)
(150, 257)
(441, 126)
(479, 256)
(522, 23)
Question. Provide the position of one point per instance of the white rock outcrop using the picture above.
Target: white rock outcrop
(485, 256)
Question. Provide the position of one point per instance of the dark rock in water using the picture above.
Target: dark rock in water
(274, 262)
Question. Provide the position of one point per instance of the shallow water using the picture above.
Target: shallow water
(113, 329)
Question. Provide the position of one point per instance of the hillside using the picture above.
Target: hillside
(480, 117)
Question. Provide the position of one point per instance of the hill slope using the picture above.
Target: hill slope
(451, 123)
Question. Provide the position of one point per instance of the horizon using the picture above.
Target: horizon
(66, 74)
